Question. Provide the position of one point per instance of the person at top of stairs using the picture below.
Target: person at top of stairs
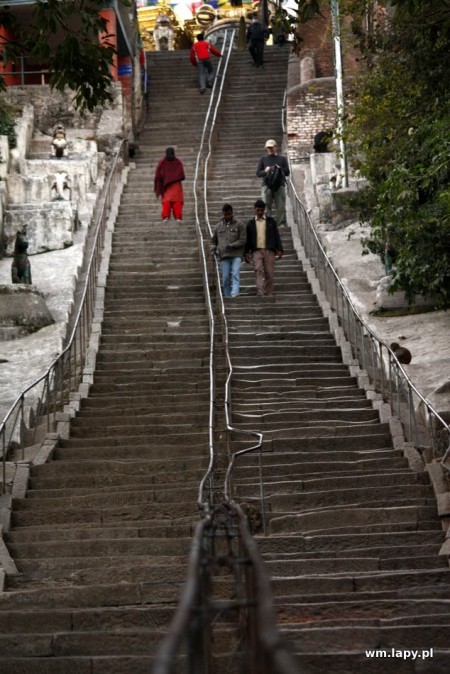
(263, 245)
(167, 182)
(228, 242)
(200, 57)
(269, 195)
(256, 38)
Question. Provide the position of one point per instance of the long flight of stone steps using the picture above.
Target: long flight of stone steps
(101, 539)
(354, 535)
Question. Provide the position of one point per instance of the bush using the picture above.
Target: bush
(7, 124)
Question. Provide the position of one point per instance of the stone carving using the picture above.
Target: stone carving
(20, 268)
(60, 189)
(59, 142)
(163, 33)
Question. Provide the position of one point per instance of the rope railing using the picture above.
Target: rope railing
(48, 394)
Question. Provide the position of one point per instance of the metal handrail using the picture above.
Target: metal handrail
(375, 356)
(265, 647)
(209, 121)
(65, 372)
(225, 335)
(265, 650)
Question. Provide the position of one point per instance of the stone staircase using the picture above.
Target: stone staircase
(101, 539)
(354, 534)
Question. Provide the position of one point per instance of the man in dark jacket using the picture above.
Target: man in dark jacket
(263, 245)
(256, 37)
(267, 161)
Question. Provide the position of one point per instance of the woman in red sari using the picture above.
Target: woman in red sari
(167, 185)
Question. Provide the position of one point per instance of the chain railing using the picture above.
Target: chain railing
(35, 410)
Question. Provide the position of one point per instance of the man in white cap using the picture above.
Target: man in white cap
(274, 181)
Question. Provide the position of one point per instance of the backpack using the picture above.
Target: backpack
(275, 178)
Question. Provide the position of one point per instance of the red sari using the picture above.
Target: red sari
(167, 185)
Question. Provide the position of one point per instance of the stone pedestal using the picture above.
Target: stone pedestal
(46, 227)
(22, 311)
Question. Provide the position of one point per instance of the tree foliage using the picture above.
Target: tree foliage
(398, 133)
(398, 136)
(64, 34)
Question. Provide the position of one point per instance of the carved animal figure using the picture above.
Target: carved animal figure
(59, 142)
(20, 268)
(163, 34)
(61, 187)
(402, 354)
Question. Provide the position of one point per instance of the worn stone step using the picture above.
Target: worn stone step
(37, 573)
(381, 543)
(344, 639)
(319, 499)
(102, 485)
(360, 519)
(123, 511)
(311, 469)
(109, 403)
(339, 482)
(153, 404)
(414, 610)
(95, 643)
(105, 424)
(113, 468)
(77, 665)
(341, 433)
(361, 582)
(101, 547)
(65, 620)
(133, 447)
(149, 385)
(286, 419)
(122, 594)
(350, 565)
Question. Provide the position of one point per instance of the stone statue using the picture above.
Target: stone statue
(163, 33)
(59, 142)
(60, 188)
(20, 268)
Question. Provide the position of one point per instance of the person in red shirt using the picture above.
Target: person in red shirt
(200, 57)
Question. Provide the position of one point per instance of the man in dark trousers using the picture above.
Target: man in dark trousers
(263, 245)
(256, 37)
(267, 161)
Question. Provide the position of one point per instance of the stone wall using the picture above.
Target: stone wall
(311, 107)
(51, 106)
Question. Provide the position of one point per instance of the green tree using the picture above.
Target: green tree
(65, 35)
(399, 137)
(398, 132)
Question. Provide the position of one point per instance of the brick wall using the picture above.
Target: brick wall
(311, 107)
